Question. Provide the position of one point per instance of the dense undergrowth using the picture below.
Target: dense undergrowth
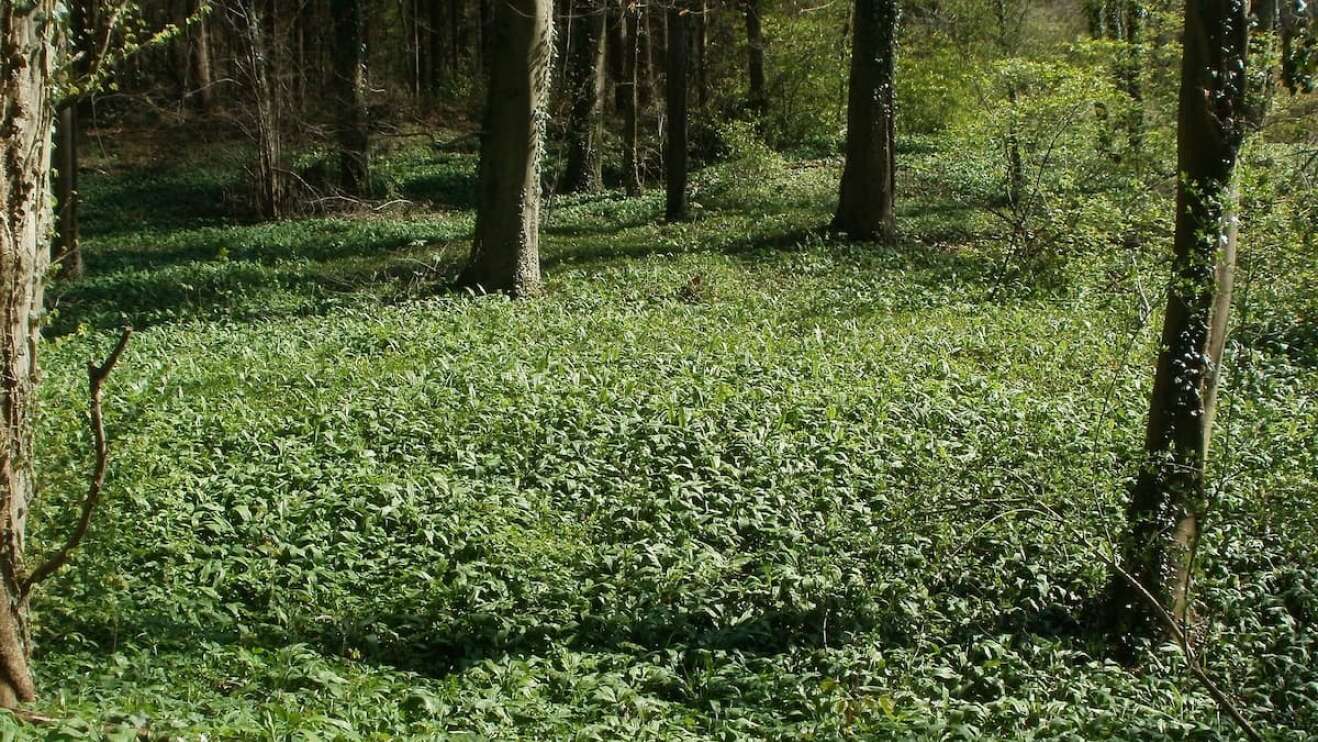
(730, 478)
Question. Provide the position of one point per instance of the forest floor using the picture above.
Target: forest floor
(728, 478)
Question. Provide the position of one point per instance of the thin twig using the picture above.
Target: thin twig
(96, 376)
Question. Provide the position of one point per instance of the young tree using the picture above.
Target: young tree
(350, 95)
(675, 151)
(865, 203)
(1169, 499)
(585, 82)
(505, 255)
(627, 89)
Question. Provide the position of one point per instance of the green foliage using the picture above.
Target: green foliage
(807, 79)
(728, 480)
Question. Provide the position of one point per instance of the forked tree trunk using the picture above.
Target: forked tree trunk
(27, 61)
(627, 88)
(865, 203)
(757, 100)
(350, 94)
(506, 252)
(1169, 498)
(583, 172)
(675, 150)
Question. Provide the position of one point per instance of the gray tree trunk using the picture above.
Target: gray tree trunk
(506, 252)
(583, 172)
(865, 204)
(1169, 498)
(27, 62)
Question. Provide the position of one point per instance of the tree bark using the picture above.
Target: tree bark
(255, 26)
(616, 46)
(700, 42)
(583, 172)
(865, 204)
(28, 59)
(438, 67)
(350, 92)
(631, 170)
(505, 254)
(675, 151)
(1169, 499)
(66, 250)
(757, 100)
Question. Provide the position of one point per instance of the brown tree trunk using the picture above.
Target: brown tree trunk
(28, 59)
(757, 99)
(505, 254)
(631, 171)
(66, 249)
(616, 46)
(1169, 499)
(583, 171)
(350, 94)
(865, 204)
(675, 151)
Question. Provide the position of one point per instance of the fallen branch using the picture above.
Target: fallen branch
(96, 376)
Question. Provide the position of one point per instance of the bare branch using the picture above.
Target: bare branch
(96, 376)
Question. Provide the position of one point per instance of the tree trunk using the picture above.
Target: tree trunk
(583, 172)
(1169, 499)
(675, 151)
(28, 59)
(757, 99)
(631, 170)
(506, 254)
(255, 27)
(1130, 74)
(700, 42)
(66, 249)
(616, 46)
(865, 203)
(438, 66)
(350, 95)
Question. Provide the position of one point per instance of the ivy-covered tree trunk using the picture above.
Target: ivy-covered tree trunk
(506, 252)
(583, 172)
(27, 61)
(627, 88)
(757, 99)
(1169, 499)
(865, 204)
(675, 151)
(350, 95)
